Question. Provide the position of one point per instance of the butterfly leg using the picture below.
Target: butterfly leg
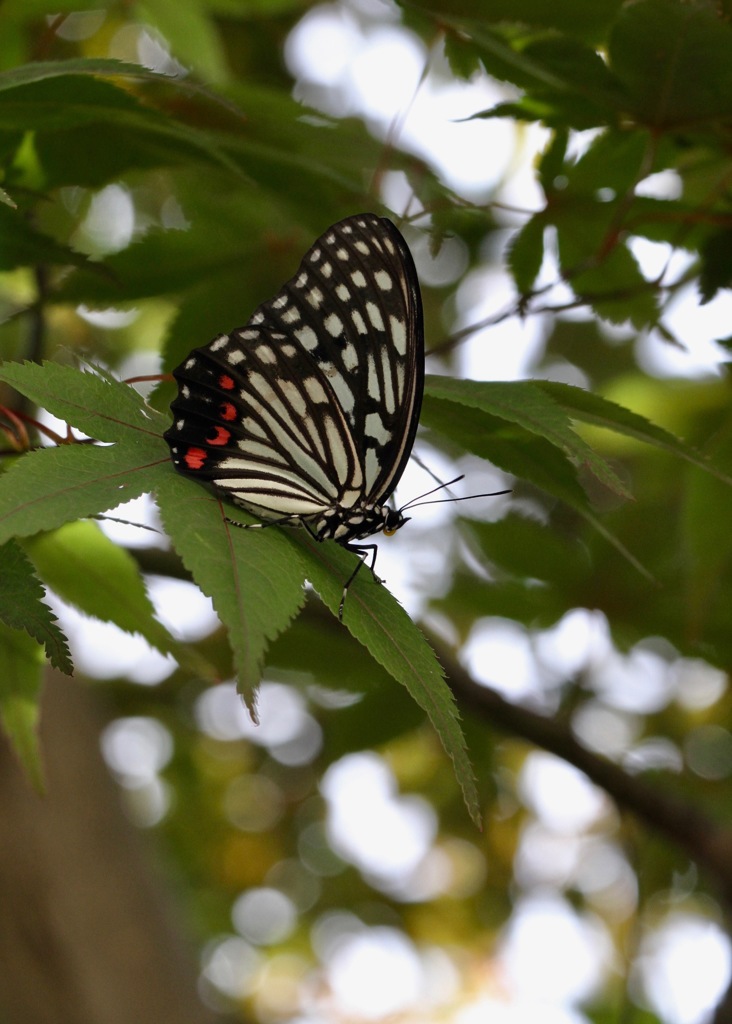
(363, 551)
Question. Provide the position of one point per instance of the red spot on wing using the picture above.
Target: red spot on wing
(227, 411)
(226, 382)
(221, 436)
(195, 458)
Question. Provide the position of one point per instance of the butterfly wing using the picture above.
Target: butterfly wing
(314, 403)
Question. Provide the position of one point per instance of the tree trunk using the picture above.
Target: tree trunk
(86, 935)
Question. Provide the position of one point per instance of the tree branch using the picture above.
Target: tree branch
(703, 839)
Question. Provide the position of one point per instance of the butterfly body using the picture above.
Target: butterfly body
(307, 414)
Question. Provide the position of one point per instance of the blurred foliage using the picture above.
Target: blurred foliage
(219, 180)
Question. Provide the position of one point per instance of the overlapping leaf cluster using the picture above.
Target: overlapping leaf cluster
(271, 185)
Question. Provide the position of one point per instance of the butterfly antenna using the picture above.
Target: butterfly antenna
(417, 502)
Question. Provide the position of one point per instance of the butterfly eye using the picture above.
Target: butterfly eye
(320, 392)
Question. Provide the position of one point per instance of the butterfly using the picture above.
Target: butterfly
(307, 414)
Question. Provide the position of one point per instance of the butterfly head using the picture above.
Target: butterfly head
(393, 520)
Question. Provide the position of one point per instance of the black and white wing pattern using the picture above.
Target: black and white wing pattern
(308, 413)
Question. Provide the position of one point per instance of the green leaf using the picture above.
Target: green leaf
(530, 407)
(100, 578)
(708, 540)
(60, 99)
(598, 264)
(716, 268)
(565, 81)
(515, 451)
(673, 59)
(21, 676)
(552, 161)
(254, 577)
(30, 102)
(668, 220)
(21, 245)
(525, 109)
(22, 606)
(48, 487)
(519, 452)
(104, 408)
(377, 620)
(52, 486)
(580, 404)
(169, 261)
(615, 159)
(191, 34)
(530, 550)
(573, 16)
(526, 253)
(464, 61)
(39, 71)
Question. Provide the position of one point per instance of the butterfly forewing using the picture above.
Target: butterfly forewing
(311, 408)
(354, 306)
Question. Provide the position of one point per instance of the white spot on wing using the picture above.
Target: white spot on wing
(316, 391)
(350, 357)
(375, 428)
(261, 387)
(266, 355)
(400, 382)
(344, 394)
(294, 396)
(359, 322)
(349, 499)
(261, 450)
(373, 387)
(372, 468)
(276, 413)
(374, 314)
(398, 335)
(383, 280)
(307, 338)
(358, 279)
(334, 325)
(335, 447)
(252, 426)
(388, 397)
